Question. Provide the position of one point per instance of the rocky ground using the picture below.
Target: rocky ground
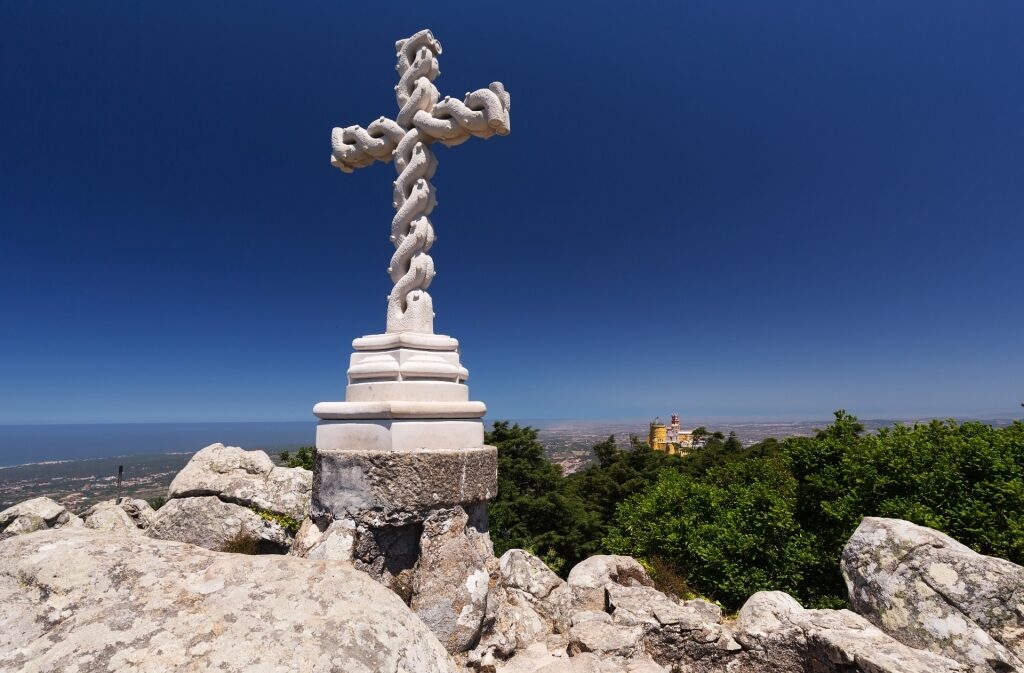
(121, 587)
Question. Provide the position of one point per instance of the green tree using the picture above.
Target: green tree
(531, 510)
(732, 532)
(966, 480)
(303, 457)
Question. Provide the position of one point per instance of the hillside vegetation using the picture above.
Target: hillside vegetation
(727, 521)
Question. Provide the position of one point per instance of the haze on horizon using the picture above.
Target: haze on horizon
(726, 210)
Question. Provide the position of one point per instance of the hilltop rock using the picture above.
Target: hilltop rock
(451, 580)
(35, 514)
(247, 478)
(325, 540)
(931, 592)
(79, 600)
(589, 578)
(109, 516)
(527, 580)
(139, 511)
(210, 523)
(777, 634)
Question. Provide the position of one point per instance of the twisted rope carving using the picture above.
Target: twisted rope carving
(421, 120)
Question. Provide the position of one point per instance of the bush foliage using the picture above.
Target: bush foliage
(727, 521)
(303, 457)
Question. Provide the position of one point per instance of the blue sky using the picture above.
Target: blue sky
(726, 209)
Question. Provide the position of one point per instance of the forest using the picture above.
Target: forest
(726, 521)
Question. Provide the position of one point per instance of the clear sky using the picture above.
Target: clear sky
(726, 209)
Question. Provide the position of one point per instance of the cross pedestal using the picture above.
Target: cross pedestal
(407, 440)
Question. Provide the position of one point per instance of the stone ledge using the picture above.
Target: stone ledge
(420, 340)
(399, 409)
(402, 486)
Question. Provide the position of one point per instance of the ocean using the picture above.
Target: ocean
(28, 444)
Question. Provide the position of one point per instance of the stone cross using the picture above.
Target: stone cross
(402, 475)
(421, 120)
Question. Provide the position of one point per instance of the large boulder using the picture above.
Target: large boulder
(931, 592)
(139, 511)
(589, 578)
(325, 540)
(248, 478)
(671, 631)
(208, 522)
(109, 516)
(527, 580)
(35, 514)
(451, 580)
(778, 635)
(78, 600)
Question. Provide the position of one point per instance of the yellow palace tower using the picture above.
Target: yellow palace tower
(672, 439)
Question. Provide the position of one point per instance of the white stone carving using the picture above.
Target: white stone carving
(422, 119)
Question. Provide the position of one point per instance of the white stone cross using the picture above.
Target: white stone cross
(421, 120)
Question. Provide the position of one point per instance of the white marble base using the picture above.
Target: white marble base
(406, 392)
(398, 435)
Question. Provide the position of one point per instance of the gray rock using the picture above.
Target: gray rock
(523, 571)
(452, 577)
(673, 632)
(647, 605)
(247, 478)
(35, 514)
(208, 522)
(511, 625)
(604, 638)
(78, 600)
(588, 579)
(778, 635)
(531, 659)
(110, 517)
(527, 577)
(140, 512)
(325, 540)
(931, 592)
(582, 616)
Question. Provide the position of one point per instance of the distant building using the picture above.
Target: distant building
(672, 439)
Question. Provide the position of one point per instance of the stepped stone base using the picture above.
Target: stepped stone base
(402, 478)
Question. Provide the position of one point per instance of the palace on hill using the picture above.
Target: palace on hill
(673, 439)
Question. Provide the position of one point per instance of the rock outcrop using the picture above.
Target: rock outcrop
(931, 592)
(35, 514)
(589, 578)
(225, 493)
(248, 478)
(607, 618)
(109, 516)
(451, 579)
(81, 600)
(528, 582)
(776, 634)
(208, 522)
(120, 593)
(139, 511)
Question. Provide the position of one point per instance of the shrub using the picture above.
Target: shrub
(303, 457)
(242, 544)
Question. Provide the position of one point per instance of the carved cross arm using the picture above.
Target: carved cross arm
(354, 147)
(482, 113)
